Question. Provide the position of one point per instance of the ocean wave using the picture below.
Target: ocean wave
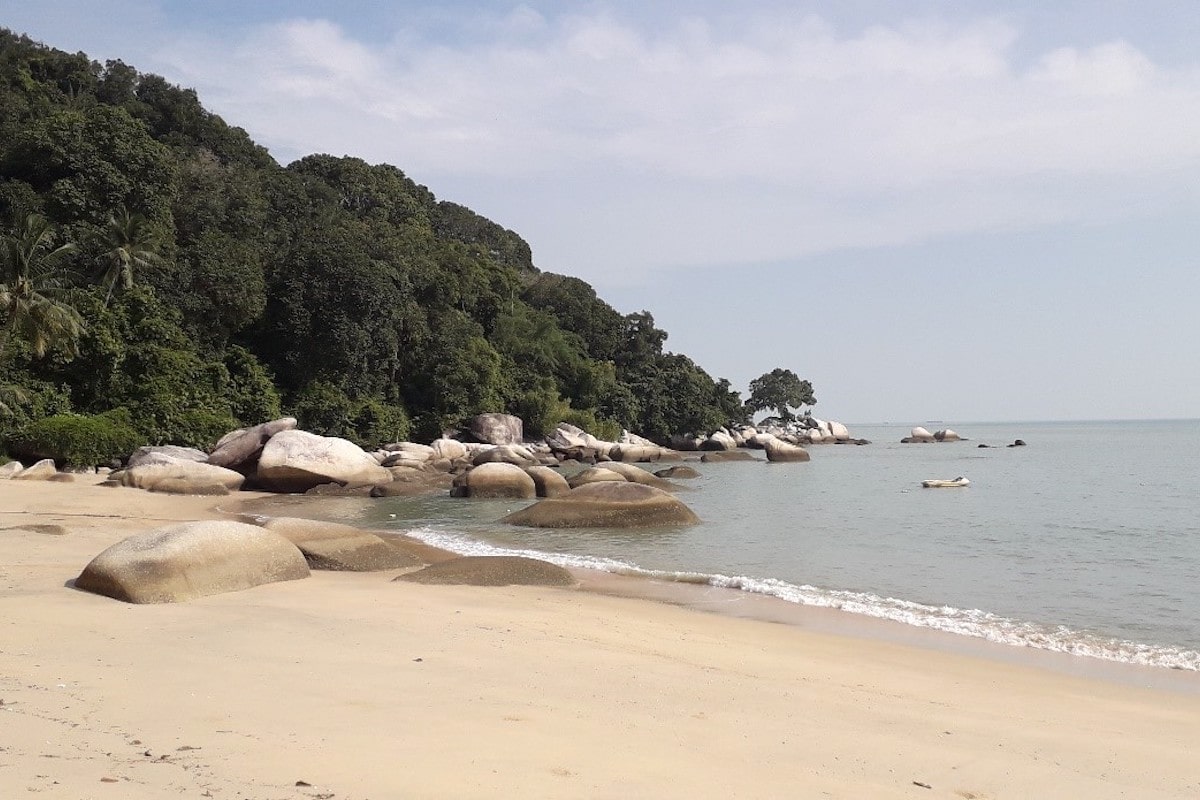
(963, 622)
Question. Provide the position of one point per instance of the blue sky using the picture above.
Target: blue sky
(962, 211)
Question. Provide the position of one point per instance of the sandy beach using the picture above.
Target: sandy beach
(354, 687)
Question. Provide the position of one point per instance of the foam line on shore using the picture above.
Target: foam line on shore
(963, 622)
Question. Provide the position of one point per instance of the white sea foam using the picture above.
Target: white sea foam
(964, 622)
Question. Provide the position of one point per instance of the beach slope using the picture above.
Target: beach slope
(351, 686)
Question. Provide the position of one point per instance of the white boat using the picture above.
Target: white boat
(945, 484)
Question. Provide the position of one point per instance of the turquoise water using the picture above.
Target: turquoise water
(1085, 541)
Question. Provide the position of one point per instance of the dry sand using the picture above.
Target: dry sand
(354, 687)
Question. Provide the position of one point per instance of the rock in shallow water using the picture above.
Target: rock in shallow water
(781, 451)
(492, 571)
(330, 546)
(608, 504)
(495, 479)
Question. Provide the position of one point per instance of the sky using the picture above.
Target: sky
(938, 209)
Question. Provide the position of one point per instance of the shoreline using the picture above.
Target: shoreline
(740, 604)
(749, 604)
(482, 692)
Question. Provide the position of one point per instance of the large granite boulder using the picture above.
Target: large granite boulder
(569, 441)
(719, 440)
(918, 435)
(43, 470)
(294, 461)
(239, 450)
(505, 454)
(947, 435)
(758, 441)
(840, 432)
(632, 438)
(566, 436)
(819, 432)
(10, 469)
(594, 475)
(686, 443)
(448, 449)
(495, 479)
(778, 450)
(491, 571)
(330, 546)
(497, 428)
(162, 472)
(717, 456)
(678, 471)
(638, 475)
(547, 482)
(414, 450)
(190, 560)
(609, 504)
(164, 454)
(635, 453)
(400, 459)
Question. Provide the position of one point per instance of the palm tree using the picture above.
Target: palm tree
(130, 240)
(32, 291)
(11, 393)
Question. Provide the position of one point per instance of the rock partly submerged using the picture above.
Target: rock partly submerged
(608, 504)
(678, 471)
(780, 451)
(547, 482)
(495, 479)
(332, 546)
(492, 571)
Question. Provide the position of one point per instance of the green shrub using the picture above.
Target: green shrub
(325, 409)
(377, 423)
(540, 409)
(76, 440)
(252, 395)
(22, 403)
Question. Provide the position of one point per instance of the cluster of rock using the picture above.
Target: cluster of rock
(194, 559)
(492, 460)
(607, 490)
(277, 457)
(802, 431)
(43, 470)
(1016, 443)
(920, 435)
(600, 488)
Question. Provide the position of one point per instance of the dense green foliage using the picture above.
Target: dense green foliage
(186, 278)
(780, 389)
(76, 440)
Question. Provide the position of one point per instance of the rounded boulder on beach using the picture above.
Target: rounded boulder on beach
(192, 559)
(608, 504)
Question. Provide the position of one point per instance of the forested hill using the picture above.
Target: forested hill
(202, 285)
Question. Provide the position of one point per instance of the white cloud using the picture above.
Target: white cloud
(693, 144)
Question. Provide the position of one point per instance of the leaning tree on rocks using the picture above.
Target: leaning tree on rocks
(782, 390)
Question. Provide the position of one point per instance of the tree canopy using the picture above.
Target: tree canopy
(182, 279)
(782, 390)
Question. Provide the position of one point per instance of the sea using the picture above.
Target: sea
(1084, 541)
